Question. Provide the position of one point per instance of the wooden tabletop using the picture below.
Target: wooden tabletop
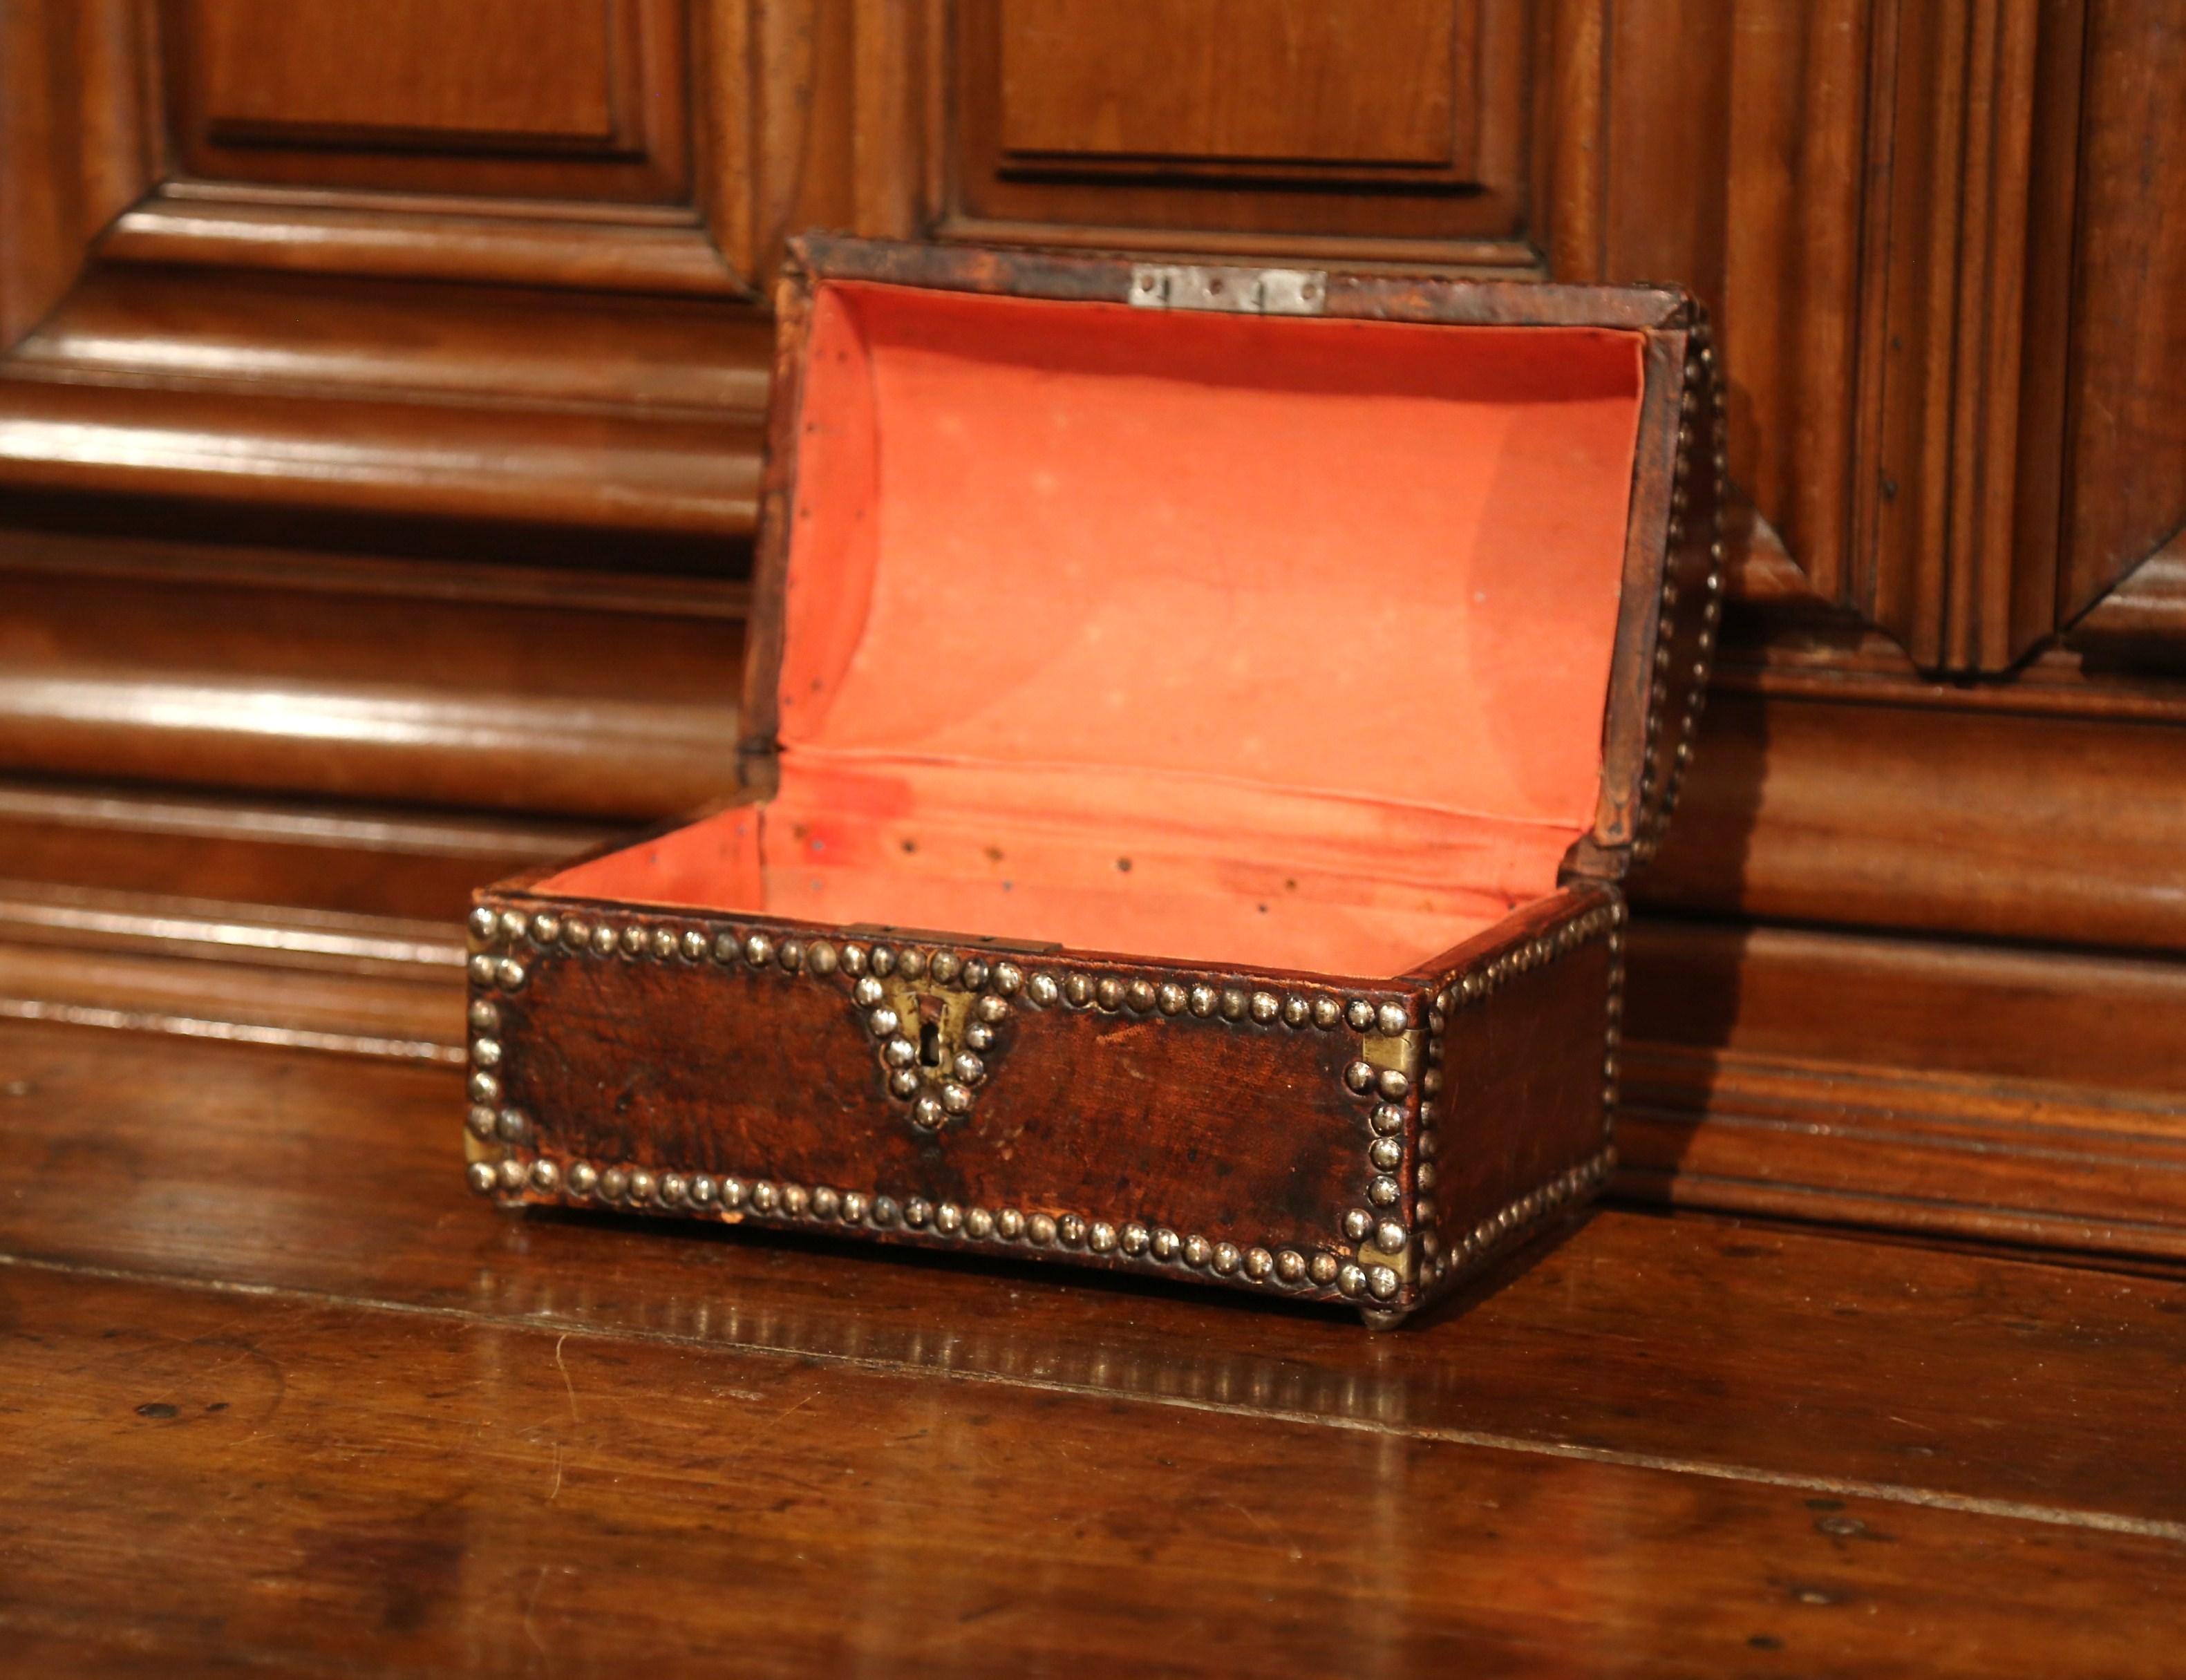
(279, 1395)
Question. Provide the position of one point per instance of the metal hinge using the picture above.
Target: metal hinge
(1234, 291)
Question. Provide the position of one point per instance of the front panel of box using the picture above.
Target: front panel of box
(1133, 1115)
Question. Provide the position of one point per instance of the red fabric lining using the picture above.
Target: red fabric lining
(1247, 600)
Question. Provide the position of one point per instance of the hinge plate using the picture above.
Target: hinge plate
(1231, 291)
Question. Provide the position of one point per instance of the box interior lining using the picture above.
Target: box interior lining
(1235, 639)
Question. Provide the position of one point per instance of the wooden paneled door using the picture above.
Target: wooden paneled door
(378, 427)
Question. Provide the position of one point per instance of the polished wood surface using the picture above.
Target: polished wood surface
(283, 1395)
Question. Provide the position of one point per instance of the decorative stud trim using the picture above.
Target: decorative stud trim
(645, 1189)
(1700, 371)
(1440, 1257)
(1508, 1224)
(1395, 1075)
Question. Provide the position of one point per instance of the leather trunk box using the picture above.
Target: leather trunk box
(1198, 722)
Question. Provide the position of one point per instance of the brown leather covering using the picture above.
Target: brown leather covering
(1527, 1076)
(1237, 1131)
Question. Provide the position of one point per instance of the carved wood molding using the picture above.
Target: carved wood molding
(2142, 620)
(1946, 188)
(2023, 1096)
(2122, 501)
(1913, 808)
(1946, 194)
(674, 252)
(455, 683)
(457, 402)
(1905, 206)
(1758, 567)
(620, 171)
(267, 342)
(309, 857)
(75, 149)
(1063, 122)
(109, 104)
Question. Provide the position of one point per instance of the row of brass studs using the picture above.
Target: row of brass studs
(1505, 1226)
(1613, 1036)
(1478, 984)
(484, 1084)
(1701, 359)
(1699, 364)
(1377, 1228)
(822, 958)
(640, 1189)
(1426, 1212)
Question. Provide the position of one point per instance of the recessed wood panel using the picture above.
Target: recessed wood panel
(1789, 287)
(1390, 127)
(561, 99)
(2127, 492)
(435, 73)
(1237, 80)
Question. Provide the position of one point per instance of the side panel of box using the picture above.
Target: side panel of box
(1521, 1059)
(1207, 1124)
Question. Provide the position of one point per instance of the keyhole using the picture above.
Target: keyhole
(929, 1044)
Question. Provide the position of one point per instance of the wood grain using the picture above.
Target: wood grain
(74, 148)
(282, 1394)
(2143, 621)
(568, 99)
(1790, 299)
(1241, 81)
(420, 69)
(1722, 1346)
(508, 1494)
(1930, 815)
(243, 852)
(2128, 446)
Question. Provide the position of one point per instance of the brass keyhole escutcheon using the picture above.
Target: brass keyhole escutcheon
(935, 1044)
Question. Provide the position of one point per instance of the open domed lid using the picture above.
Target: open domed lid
(1354, 538)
